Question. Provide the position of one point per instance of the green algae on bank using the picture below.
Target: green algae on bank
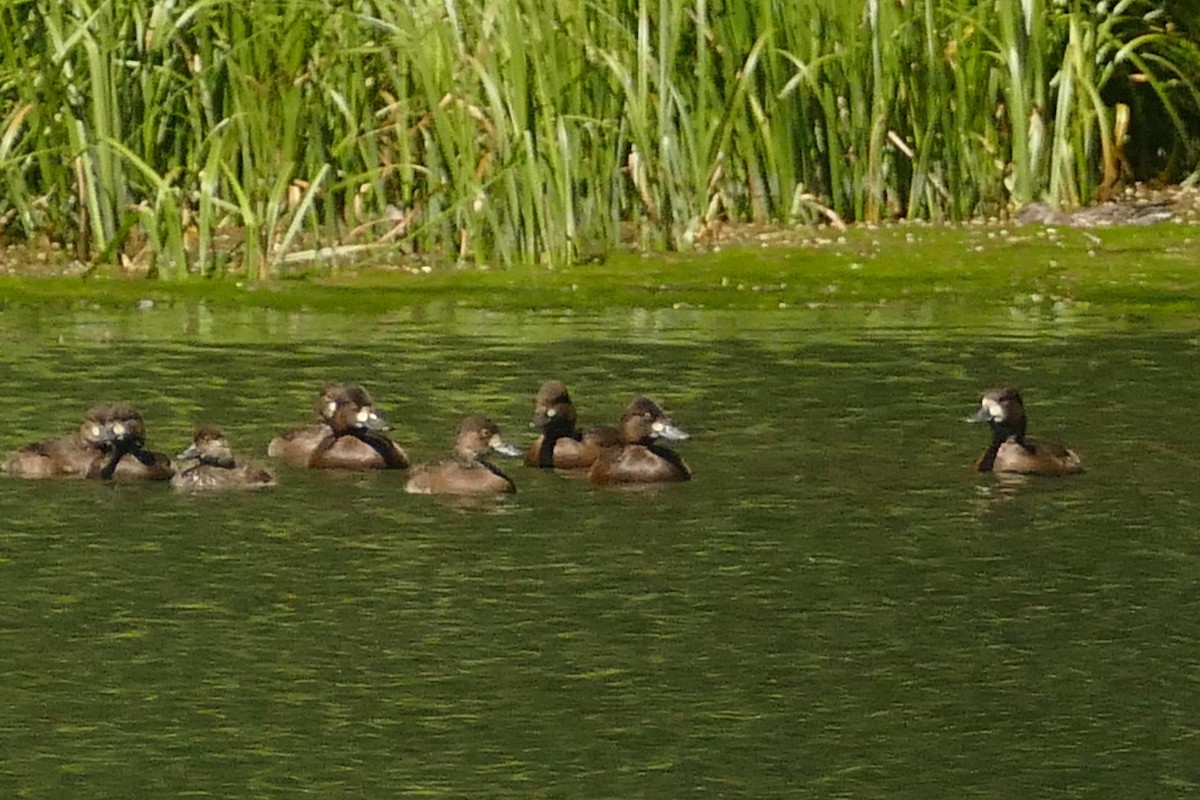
(964, 271)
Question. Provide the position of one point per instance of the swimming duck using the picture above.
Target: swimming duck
(215, 467)
(69, 455)
(125, 453)
(641, 458)
(1004, 411)
(357, 437)
(358, 443)
(469, 471)
(561, 444)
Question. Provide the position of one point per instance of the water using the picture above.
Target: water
(835, 607)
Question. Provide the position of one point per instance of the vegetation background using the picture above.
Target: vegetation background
(212, 136)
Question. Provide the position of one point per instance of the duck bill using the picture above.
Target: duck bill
(666, 429)
(981, 415)
(370, 419)
(501, 447)
(119, 436)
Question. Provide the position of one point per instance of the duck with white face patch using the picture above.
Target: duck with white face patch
(126, 457)
(71, 455)
(1010, 451)
(643, 458)
(561, 444)
(357, 435)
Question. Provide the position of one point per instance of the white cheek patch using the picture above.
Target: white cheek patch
(95, 430)
(657, 427)
(551, 412)
(495, 440)
(119, 429)
(994, 410)
(364, 415)
(330, 407)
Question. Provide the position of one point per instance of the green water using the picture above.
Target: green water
(834, 607)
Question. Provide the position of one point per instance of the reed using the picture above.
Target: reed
(192, 138)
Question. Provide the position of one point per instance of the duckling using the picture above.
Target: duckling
(215, 467)
(1004, 411)
(468, 472)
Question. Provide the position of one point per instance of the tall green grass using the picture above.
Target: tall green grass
(199, 137)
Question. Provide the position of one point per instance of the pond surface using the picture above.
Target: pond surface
(835, 606)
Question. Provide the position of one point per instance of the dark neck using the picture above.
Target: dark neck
(382, 445)
(106, 466)
(492, 468)
(550, 436)
(999, 437)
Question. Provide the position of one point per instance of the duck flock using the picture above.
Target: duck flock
(348, 433)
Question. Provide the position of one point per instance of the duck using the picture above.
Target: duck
(71, 455)
(468, 472)
(296, 446)
(561, 445)
(356, 444)
(1004, 411)
(641, 458)
(125, 454)
(215, 467)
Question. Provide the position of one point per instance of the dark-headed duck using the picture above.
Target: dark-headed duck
(357, 438)
(215, 467)
(125, 453)
(296, 446)
(469, 471)
(358, 443)
(1010, 451)
(69, 455)
(641, 459)
(561, 444)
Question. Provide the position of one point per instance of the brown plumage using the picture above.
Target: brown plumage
(71, 455)
(216, 468)
(561, 444)
(641, 459)
(469, 471)
(1004, 411)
